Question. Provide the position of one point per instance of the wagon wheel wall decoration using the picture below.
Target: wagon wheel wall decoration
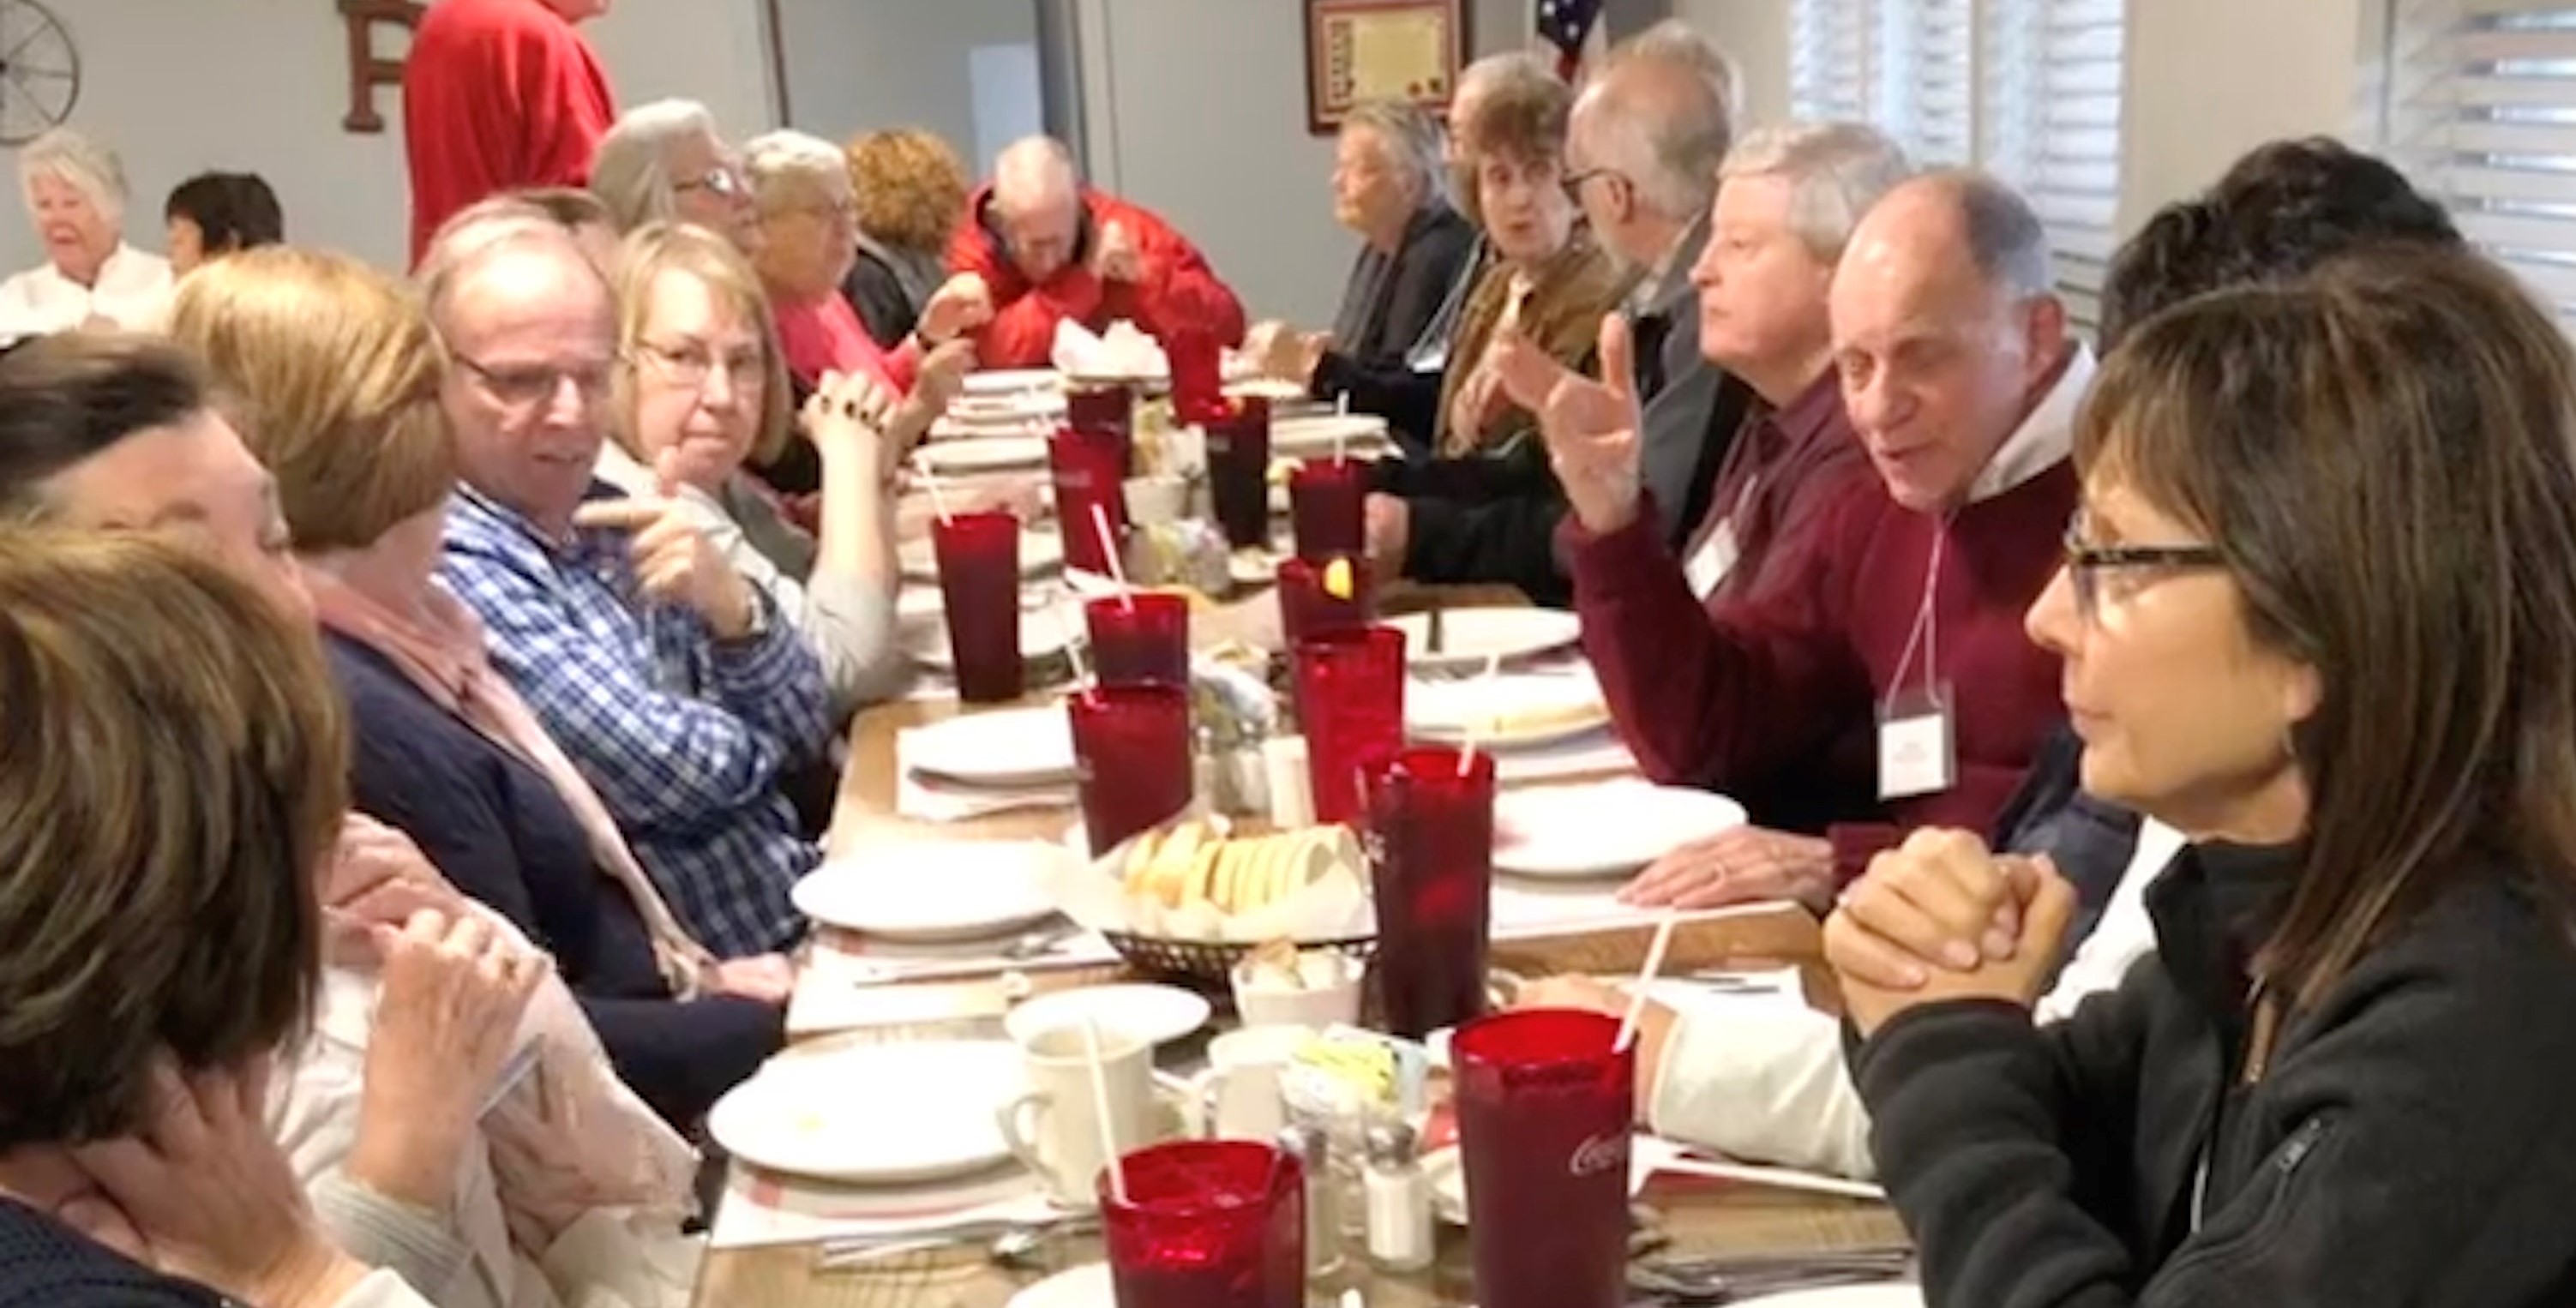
(40, 71)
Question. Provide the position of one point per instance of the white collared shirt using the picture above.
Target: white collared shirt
(2046, 436)
(133, 291)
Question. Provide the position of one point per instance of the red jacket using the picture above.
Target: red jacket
(497, 95)
(1178, 291)
(1785, 681)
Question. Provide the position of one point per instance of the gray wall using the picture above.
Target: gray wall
(858, 65)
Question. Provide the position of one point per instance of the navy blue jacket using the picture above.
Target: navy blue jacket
(497, 828)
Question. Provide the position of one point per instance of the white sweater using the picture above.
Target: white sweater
(133, 290)
(1770, 1085)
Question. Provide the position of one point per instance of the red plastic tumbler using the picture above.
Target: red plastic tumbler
(1544, 1107)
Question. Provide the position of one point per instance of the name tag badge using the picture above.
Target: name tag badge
(1917, 750)
(1709, 564)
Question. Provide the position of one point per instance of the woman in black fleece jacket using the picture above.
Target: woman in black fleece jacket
(2317, 614)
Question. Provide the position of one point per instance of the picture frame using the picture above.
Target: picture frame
(1358, 50)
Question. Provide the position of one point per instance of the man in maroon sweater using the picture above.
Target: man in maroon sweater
(1889, 676)
(499, 95)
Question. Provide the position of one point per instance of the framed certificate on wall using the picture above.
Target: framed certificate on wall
(1359, 50)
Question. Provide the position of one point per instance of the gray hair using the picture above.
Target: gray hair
(631, 172)
(1836, 171)
(1677, 44)
(464, 242)
(1410, 140)
(1660, 114)
(2006, 239)
(787, 160)
(90, 168)
(1035, 170)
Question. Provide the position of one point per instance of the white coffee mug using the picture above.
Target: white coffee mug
(1239, 1096)
(1055, 1129)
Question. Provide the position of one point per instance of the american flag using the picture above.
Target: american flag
(1567, 25)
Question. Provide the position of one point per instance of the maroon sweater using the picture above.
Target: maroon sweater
(1789, 681)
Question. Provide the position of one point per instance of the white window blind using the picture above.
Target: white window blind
(2481, 112)
(2027, 89)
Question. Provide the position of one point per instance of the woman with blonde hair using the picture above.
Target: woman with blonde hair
(2315, 614)
(911, 190)
(336, 375)
(703, 388)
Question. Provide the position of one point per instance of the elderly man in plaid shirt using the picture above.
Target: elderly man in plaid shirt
(664, 673)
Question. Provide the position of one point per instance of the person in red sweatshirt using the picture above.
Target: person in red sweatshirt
(1049, 248)
(499, 95)
(1892, 669)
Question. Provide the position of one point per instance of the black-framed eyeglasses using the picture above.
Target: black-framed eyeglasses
(525, 385)
(2086, 563)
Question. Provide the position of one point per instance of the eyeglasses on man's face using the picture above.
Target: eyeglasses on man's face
(526, 385)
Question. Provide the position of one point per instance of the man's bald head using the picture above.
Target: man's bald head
(533, 329)
(1037, 204)
(1946, 329)
(1658, 124)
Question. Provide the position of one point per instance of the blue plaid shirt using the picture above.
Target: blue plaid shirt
(683, 735)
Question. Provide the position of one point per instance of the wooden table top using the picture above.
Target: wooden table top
(1699, 1218)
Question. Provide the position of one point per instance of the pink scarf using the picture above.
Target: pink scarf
(569, 1137)
(442, 653)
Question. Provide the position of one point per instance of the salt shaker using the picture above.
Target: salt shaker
(1312, 1147)
(1399, 1201)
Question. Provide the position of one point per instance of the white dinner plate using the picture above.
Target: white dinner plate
(890, 1114)
(1087, 1286)
(1277, 390)
(1147, 1014)
(1302, 437)
(1013, 749)
(1041, 554)
(1506, 712)
(1890, 1295)
(934, 891)
(1007, 381)
(975, 454)
(1601, 829)
(1044, 634)
(1469, 638)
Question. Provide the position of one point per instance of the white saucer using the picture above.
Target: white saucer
(1148, 1014)
(1470, 638)
(972, 454)
(1012, 749)
(1007, 381)
(827, 1116)
(1602, 829)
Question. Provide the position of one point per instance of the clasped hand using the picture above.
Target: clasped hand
(1943, 918)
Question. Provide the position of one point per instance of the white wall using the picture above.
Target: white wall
(856, 65)
(1755, 33)
(180, 86)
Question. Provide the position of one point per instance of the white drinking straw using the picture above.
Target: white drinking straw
(1467, 756)
(1100, 1103)
(1072, 647)
(930, 480)
(1109, 551)
(1646, 977)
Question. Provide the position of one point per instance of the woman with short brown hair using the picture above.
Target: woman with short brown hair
(2316, 613)
(911, 190)
(170, 784)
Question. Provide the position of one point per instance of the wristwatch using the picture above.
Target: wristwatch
(756, 623)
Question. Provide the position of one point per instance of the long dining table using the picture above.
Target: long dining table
(1688, 1217)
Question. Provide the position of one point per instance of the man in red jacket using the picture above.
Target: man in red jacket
(498, 95)
(1049, 248)
(1902, 632)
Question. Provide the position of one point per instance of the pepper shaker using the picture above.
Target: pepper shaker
(1310, 1146)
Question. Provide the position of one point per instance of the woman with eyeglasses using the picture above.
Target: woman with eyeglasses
(703, 388)
(2315, 614)
(800, 186)
(666, 162)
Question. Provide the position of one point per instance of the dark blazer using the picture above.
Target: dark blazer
(497, 828)
(1391, 298)
(884, 308)
(1402, 383)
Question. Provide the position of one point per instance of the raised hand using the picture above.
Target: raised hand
(674, 561)
(849, 415)
(961, 304)
(1117, 259)
(1593, 434)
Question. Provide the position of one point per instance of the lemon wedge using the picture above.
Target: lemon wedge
(1337, 579)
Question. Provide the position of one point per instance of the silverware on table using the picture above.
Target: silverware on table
(1014, 1240)
(1698, 1282)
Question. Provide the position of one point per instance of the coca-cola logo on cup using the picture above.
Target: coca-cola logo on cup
(1599, 1154)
